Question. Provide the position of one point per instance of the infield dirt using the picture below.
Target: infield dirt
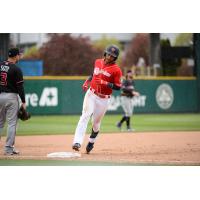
(149, 148)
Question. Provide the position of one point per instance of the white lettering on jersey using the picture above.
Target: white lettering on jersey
(98, 71)
(4, 68)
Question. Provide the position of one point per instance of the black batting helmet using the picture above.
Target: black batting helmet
(112, 50)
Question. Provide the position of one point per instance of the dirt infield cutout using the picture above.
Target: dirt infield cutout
(149, 147)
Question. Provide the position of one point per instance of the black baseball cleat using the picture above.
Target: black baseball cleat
(76, 146)
(13, 152)
(89, 147)
(119, 125)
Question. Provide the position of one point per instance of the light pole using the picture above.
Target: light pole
(4, 45)
(155, 50)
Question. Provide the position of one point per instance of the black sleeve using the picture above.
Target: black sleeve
(20, 89)
(18, 76)
(113, 86)
(90, 77)
(19, 84)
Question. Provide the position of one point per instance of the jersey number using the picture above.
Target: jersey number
(3, 78)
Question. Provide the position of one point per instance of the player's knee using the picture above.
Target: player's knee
(96, 127)
(84, 118)
(128, 114)
(12, 125)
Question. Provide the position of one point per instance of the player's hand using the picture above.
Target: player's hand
(85, 86)
(99, 81)
(137, 94)
(24, 105)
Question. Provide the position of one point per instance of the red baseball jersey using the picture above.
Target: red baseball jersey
(110, 73)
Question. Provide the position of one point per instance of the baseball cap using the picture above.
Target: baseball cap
(129, 72)
(12, 52)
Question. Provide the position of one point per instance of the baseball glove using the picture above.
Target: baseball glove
(127, 94)
(23, 114)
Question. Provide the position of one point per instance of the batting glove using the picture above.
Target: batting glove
(85, 85)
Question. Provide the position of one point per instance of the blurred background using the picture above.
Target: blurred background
(55, 65)
(153, 54)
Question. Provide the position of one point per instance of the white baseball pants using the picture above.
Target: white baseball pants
(92, 106)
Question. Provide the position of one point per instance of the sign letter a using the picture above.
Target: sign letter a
(49, 97)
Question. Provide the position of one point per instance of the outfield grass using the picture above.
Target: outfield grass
(42, 125)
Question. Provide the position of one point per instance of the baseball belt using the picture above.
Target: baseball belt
(103, 96)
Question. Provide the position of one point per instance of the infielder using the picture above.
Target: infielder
(127, 94)
(11, 84)
(106, 77)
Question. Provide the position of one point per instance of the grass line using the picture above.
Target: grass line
(87, 163)
(52, 125)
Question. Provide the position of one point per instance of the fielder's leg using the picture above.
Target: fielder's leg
(12, 110)
(126, 107)
(128, 122)
(129, 114)
(2, 112)
(119, 124)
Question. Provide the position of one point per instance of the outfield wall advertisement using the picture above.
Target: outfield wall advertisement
(156, 96)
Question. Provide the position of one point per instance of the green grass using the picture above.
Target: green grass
(58, 163)
(42, 125)
(81, 163)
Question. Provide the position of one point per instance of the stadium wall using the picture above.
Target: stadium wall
(64, 95)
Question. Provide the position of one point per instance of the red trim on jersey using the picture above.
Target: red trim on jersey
(8, 62)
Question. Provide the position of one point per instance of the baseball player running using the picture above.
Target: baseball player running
(106, 77)
(11, 84)
(127, 94)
